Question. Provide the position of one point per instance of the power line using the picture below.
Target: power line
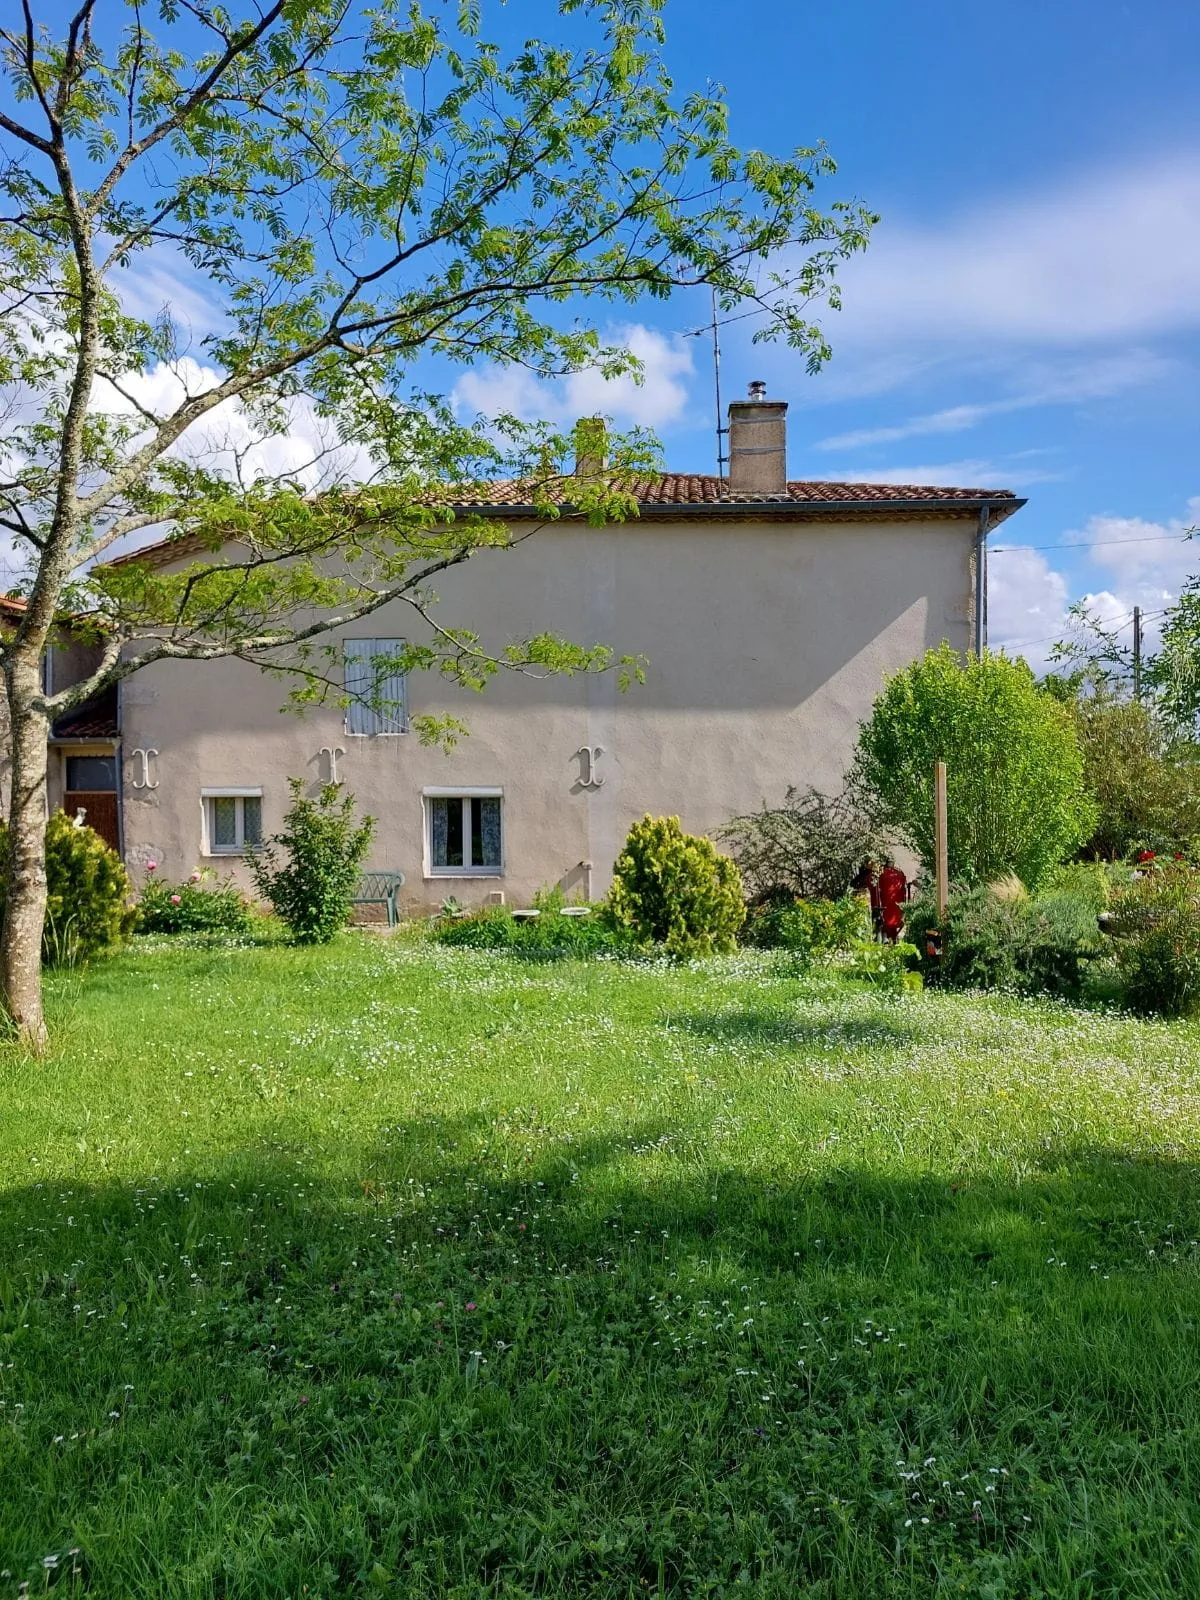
(1157, 538)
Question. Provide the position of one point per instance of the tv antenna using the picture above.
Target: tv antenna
(722, 456)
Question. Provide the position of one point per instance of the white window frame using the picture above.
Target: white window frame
(243, 792)
(463, 792)
(398, 718)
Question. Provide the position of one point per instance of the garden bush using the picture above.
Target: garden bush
(673, 889)
(551, 936)
(813, 929)
(1029, 946)
(1015, 776)
(894, 968)
(323, 847)
(1155, 925)
(809, 848)
(89, 897)
(201, 904)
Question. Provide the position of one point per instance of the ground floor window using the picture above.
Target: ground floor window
(232, 821)
(465, 833)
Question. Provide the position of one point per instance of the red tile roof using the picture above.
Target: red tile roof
(97, 718)
(698, 489)
(686, 494)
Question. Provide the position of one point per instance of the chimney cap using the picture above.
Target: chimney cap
(757, 390)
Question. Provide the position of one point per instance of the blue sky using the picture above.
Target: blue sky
(1028, 315)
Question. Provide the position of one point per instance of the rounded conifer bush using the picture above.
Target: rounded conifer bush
(676, 890)
(89, 908)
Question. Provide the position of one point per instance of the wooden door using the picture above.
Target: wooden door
(100, 807)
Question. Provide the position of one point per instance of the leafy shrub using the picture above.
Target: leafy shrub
(1031, 946)
(88, 893)
(493, 928)
(813, 929)
(198, 905)
(811, 847)
(324, 846)
(1017, 801)
(676, 890)
(890, 967)
(548, 937)
(1155, 924)
(1090, 881)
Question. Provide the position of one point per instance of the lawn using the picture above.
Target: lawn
(393, 1270)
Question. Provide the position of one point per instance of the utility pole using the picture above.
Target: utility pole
(1137, 652)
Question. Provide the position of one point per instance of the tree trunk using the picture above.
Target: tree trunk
(25, 905)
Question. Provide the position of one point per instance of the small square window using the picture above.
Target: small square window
(232, 823)
(465, 835)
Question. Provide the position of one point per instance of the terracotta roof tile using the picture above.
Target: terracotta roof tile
(694, 489)
(680, 492)
(98, 718)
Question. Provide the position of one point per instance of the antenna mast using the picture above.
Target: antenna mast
(722, 457)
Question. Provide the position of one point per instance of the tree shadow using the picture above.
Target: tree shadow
(778, 1026)
(493, 1359)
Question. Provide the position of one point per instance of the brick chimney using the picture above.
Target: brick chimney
(758, 444)
(591, 447)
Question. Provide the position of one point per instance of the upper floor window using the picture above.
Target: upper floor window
(232, 821)
(377, 692)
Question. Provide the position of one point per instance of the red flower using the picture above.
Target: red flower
(1145, 855)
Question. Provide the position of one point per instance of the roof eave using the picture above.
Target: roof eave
(999, 507)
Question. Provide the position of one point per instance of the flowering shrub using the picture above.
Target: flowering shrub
(201, 904)
(324, 846)
(88, 894)
(1155, 922)
(673, 889)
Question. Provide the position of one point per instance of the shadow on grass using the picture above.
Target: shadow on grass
(776, 1026)
(592, 1368)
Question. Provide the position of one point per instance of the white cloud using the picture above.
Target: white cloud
(972, 472)
(1110, 255)
(159, 281)
(658, 400)
(1090, 380)
(1027, 605)
(1146, 563)
(227, 441)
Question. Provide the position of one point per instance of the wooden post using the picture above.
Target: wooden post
(941, 868)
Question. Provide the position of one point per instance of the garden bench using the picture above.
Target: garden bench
(379, 889)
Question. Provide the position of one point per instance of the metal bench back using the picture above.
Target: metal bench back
(379, 889)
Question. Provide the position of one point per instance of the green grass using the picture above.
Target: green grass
(395, 1270)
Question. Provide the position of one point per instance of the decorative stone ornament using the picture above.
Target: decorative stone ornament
(590, 754)
(335, 752)
(144, 781)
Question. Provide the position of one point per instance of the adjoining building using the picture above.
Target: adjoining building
(768, 610)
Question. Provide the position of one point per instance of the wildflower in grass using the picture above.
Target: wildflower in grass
(471, 1305)
(174, 899)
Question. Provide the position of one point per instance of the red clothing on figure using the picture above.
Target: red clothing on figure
(892, 891)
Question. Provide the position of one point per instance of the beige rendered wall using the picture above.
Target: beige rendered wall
(766, 643)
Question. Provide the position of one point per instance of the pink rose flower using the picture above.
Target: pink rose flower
(151, 866)
(174, 899)
(195, 878)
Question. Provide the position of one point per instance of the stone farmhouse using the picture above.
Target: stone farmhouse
(769, 611)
